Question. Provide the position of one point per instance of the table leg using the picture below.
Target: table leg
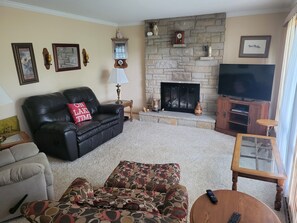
(131, 118)
(234, 180)
(278, 196)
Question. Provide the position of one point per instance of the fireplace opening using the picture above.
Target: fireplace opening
(180, 97)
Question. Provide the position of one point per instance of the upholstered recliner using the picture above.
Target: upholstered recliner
(134, 192)
(23, 171)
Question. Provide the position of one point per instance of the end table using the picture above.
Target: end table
(125, 103)
(14, 139)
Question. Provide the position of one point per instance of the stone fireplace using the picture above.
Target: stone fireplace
(187, 63)
(180, 97)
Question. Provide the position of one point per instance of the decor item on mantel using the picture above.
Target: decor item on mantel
(198, 109)
(85, 57)
(47, 58)
(155, 104)
(119, 35)
(179, 39)
(155, 29)
(208, 49)
(118, 77)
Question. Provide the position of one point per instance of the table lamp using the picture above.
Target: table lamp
(4, 98)
(118, 77)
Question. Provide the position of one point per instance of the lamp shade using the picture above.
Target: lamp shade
(4, 98)
(118, 76)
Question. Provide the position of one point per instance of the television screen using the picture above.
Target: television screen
(246, 81)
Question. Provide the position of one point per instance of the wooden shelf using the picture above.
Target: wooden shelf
(179, 45)
(237, 116)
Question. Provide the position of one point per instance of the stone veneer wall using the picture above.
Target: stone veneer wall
(165, 63)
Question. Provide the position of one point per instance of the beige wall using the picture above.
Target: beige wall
(268, 24)
(42, 30)
(19, 26)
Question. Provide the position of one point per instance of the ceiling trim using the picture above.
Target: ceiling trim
(7, 3)
(257, 12)
(11, 4)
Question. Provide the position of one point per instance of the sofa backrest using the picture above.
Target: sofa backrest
(40, 109)
(83, 94)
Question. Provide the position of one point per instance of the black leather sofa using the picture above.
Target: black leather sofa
(53, 129)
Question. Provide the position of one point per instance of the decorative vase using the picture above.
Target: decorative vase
(198, 109)
(156, 104)
(209, 51)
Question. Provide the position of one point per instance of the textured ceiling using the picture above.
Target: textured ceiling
(130, 12)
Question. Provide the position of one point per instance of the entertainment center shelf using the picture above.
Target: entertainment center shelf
(239, 116)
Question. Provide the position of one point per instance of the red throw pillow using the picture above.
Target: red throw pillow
(79, 112)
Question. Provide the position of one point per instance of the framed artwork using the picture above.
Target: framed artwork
(25, 63)
(66, 56)
(254, 46)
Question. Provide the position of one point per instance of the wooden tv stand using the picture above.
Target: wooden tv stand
(239, 116)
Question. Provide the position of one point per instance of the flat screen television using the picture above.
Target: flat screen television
(246, 81)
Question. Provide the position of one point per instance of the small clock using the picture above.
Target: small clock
(120, 63)
(179, 37)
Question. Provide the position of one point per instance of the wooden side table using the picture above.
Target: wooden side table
(268, 123)
(125, 103)
(14, 139)
(251, 209)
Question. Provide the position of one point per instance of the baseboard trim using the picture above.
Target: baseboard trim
(287, 211)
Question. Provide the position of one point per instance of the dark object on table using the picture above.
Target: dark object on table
(235, 218)
(211, 196)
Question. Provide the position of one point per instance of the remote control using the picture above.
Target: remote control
(211, 196)
(235, 218)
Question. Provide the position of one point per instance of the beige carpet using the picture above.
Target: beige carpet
(204, 157)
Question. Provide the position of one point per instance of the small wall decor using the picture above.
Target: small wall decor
(254, 46)
(179, 37)
(47, 58)
(120, 52)
(66, 56)
(25, 63)
(85, 57)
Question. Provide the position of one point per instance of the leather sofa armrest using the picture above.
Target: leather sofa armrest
(176, 210)
(19, 173)
(58, 139)
(17, 153)
(110, 108)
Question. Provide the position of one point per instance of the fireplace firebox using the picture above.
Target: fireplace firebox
(180, 97)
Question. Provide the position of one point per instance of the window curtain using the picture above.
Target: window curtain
(287, 109)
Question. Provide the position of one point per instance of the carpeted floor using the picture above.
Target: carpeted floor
(204, 157)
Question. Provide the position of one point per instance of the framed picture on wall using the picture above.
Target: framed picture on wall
(66, 56)
(254, 46)
(25, 63)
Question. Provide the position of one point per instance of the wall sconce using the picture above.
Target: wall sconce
(47, 58)
(85, 57)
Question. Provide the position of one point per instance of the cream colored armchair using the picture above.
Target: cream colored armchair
(24, 173)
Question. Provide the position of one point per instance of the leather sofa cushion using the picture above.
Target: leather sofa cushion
(83, 94)
(87, 129)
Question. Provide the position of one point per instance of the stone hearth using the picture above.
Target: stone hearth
(179, 118)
